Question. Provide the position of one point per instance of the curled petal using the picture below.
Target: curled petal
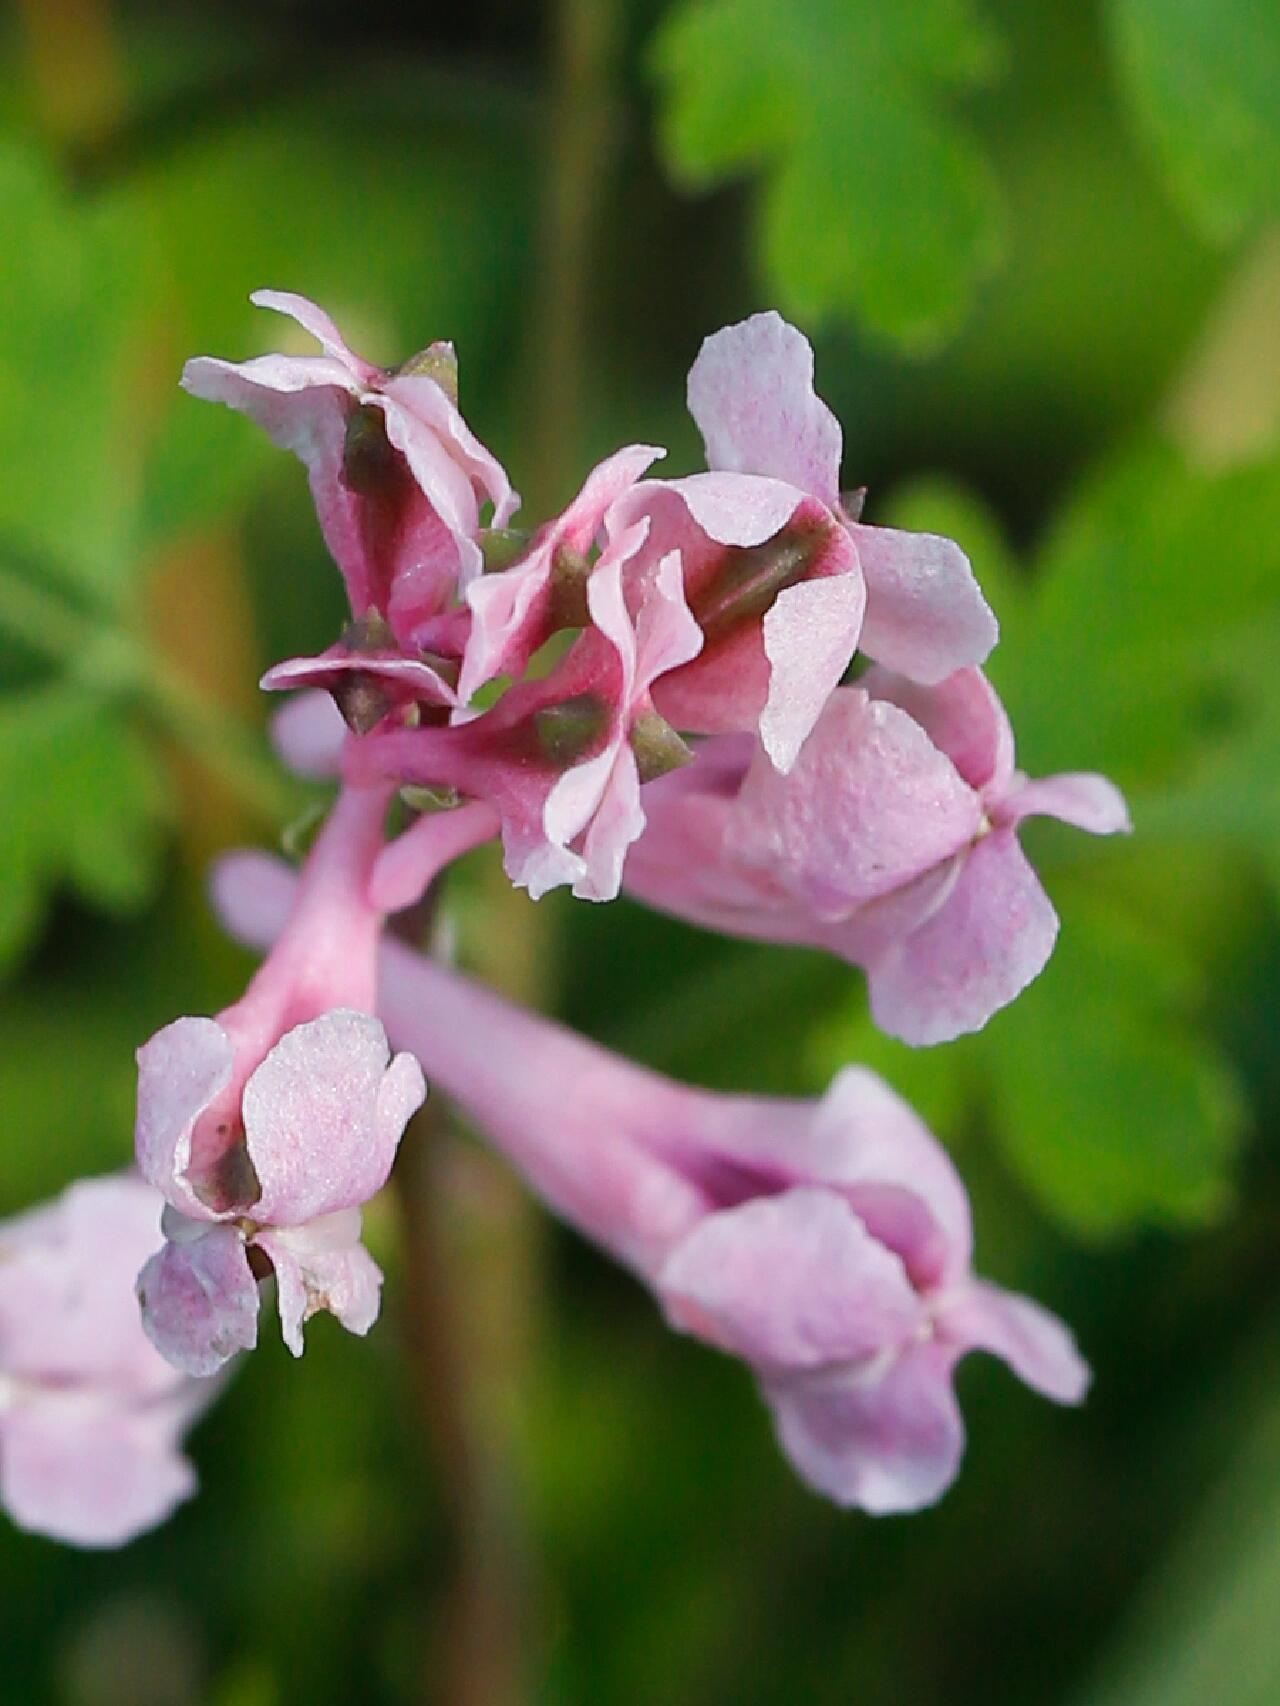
(885, 1437)
(77, 1469)
(926, 616)
(810, 636)
(200, 1301)
(1036, 1345)
(992, 935)
(401, 680)
(790, 1281)
(314, 320)
(751, 395)
(180, 1072)
(1084, 800)
(323, 1266)
(323, 1115)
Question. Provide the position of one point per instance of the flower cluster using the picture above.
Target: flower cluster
(723, 692)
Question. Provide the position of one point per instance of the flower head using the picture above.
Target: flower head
(397, 476)
(892, 842)
(90, 1414)
(784, 580)
(266, 1129)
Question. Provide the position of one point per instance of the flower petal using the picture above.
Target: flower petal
(984, 945)
(80, 1471)
(810, 636)
(316, 1270)
(67, 1270)
(790, 1281)
(751, 395)
(180, 1072)
(309, 734)
(869, 805)
(323, 1115)
(200, 1301)
(962, 716)
(887, 1437)
(314, 320)
(1080, 798)
(926, 616)
(1036, 1345)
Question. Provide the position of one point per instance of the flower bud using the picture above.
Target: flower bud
(439, 362)
(567, 732)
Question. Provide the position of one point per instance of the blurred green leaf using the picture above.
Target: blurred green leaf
(1115, 1106)
(875, 202)
(1204, 79)
(82, 806)
(71, 291)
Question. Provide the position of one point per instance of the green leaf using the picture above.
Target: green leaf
(1204, 79)
(82, 806)
(875, 201)
(70, 293)
(1113, 1104)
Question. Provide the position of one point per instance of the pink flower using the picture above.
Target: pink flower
(785, 583)
(397, 475)
(557, 757)
(828, 1245)
(90, 1415)
(267, 1128)
(517, 609)
(893, 842)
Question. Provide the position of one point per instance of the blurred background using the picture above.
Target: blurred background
(1035, 242)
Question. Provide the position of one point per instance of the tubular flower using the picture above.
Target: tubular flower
(827, 1244)
(266, 1129)
(893, 843)
(91, 1415)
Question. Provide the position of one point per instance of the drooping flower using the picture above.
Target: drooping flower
(827, 1244)
(267, 1128)
(893, 842)
(561, 758)
(783, 578)
(397, 476)
(91, 1416)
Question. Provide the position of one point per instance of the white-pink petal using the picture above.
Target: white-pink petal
(180, 1072)
(926, 616)
(981, 948)
(200, 1300)
(790, 1281)
(78, 1469)
(810, 636)
(886, 1437)
(1036, 1345)
(1080, 798)
(751, 394)
(323, 1116)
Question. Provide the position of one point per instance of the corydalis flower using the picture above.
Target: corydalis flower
(397, 476)
(561, 759)
(893, 842)
(91, 1416)
(826, 1244)
(266, 1128)
(319, 1123)
(784, 580)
